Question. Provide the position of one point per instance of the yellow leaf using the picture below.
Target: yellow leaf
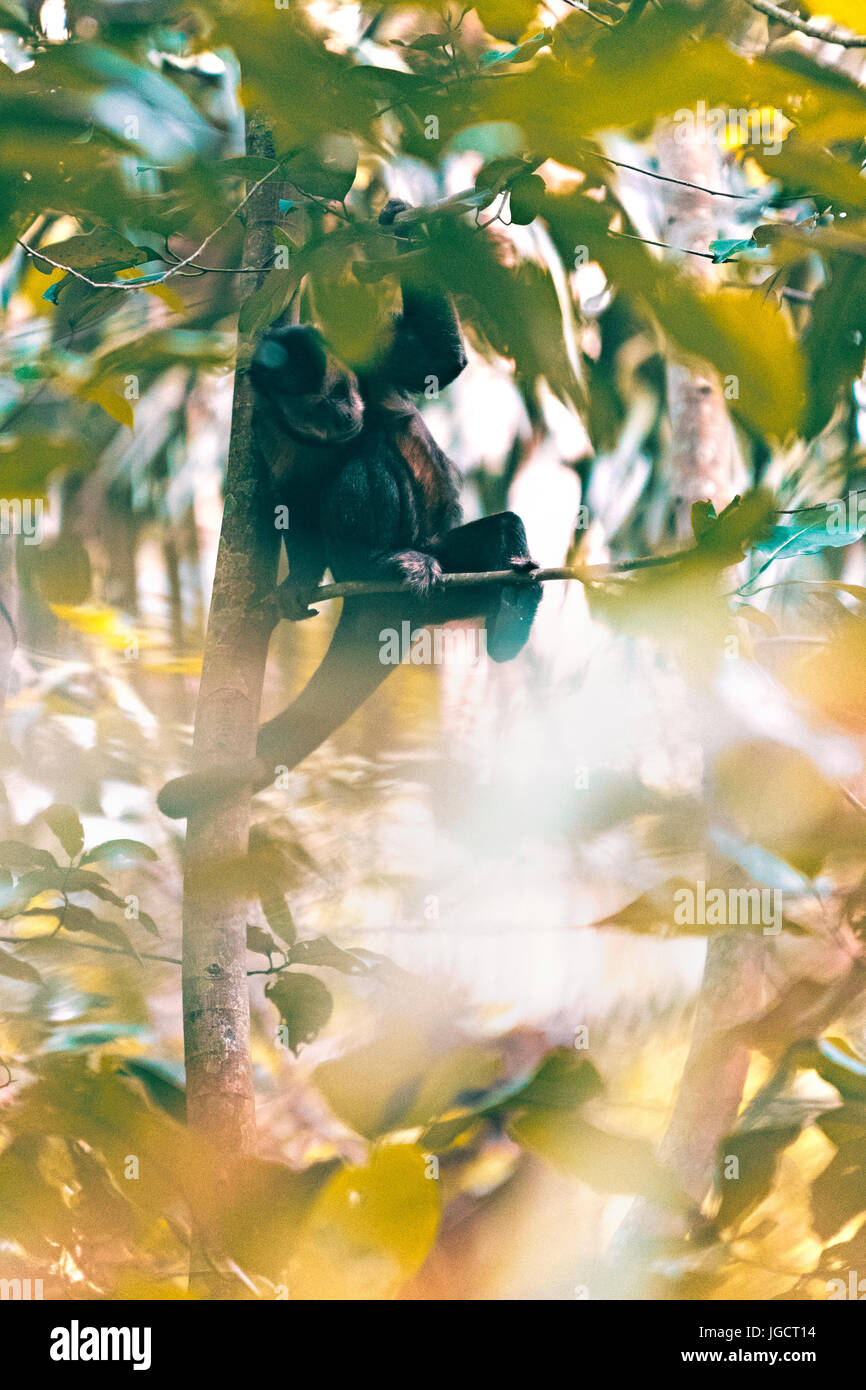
(112, 401)
(851, 13)
(371, 1229)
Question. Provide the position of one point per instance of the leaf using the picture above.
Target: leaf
(17, 855)
(77, 919)
(607, 1162)
(261, 942)
(370, 1230)
(373, 1087)
(506, 19)
(839, 1192)
(527, 198)
(103, 249)
(278, 914)
(303, 1004)
(112, 401)
(848, 13)
(563, 1081)
(63, 571)
(757, 1152)
(327, 170)
(248, 166)
(267, 302)
(161, 1086)
(63, 822)
(322, 952)
(122, 852)
(835, 339)
(727, 248)
(523, 52)
(16, 969)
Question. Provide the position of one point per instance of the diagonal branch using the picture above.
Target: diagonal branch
(806, 26)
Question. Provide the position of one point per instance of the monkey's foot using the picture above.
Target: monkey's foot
(202, 790)
(294, 602)
(422, 573)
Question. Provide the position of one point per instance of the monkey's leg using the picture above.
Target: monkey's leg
(494, 543)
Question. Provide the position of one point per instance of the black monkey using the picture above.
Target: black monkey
(370, 496)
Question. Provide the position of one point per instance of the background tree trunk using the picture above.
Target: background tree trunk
(705, 463)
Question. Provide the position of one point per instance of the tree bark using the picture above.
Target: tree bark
(216, 1016)
(705, 463)
(8, 611)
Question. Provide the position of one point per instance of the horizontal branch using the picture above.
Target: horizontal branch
(584, 574)
(807, 26)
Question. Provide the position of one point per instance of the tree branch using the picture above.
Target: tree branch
(806, 26)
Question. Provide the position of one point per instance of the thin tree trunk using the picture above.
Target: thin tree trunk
(216, 1016)
(705, 463)
(8, 611)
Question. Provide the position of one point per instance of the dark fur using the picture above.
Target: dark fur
(370, 496)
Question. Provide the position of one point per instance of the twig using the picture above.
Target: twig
(806, 26)
(159, 279)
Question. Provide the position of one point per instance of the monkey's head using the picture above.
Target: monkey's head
(306, 390)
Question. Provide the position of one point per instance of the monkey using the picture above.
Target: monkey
(370, 496)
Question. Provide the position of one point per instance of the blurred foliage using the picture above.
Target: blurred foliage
(397, 1121)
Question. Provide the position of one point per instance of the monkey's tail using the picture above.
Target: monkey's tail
(350, 672)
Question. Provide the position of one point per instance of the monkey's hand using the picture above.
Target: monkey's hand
(205, 790)
(293, 600)
(389, 213)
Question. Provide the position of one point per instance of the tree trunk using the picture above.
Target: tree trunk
(216, 1016)
(8, 611)
(705, 463)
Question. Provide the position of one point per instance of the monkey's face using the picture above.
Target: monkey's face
(307, 392)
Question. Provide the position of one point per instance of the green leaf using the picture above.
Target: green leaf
(161, 1086)
(103, 249)
(16, 969)
(607, 1162)
(261, 942)
(63, 822)
(527, 198)
(122, 852)
(327, 170)
(268, 301)
(16, 855)
(278, 914)
(303, 1004)
(563, 1081)
(522, 53)
(77, 919)
(320, 951)
(248, 166)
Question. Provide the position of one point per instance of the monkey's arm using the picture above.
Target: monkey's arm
(305, 549)
(428, 343)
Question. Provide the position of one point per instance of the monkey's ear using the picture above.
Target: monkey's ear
(289, 361)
